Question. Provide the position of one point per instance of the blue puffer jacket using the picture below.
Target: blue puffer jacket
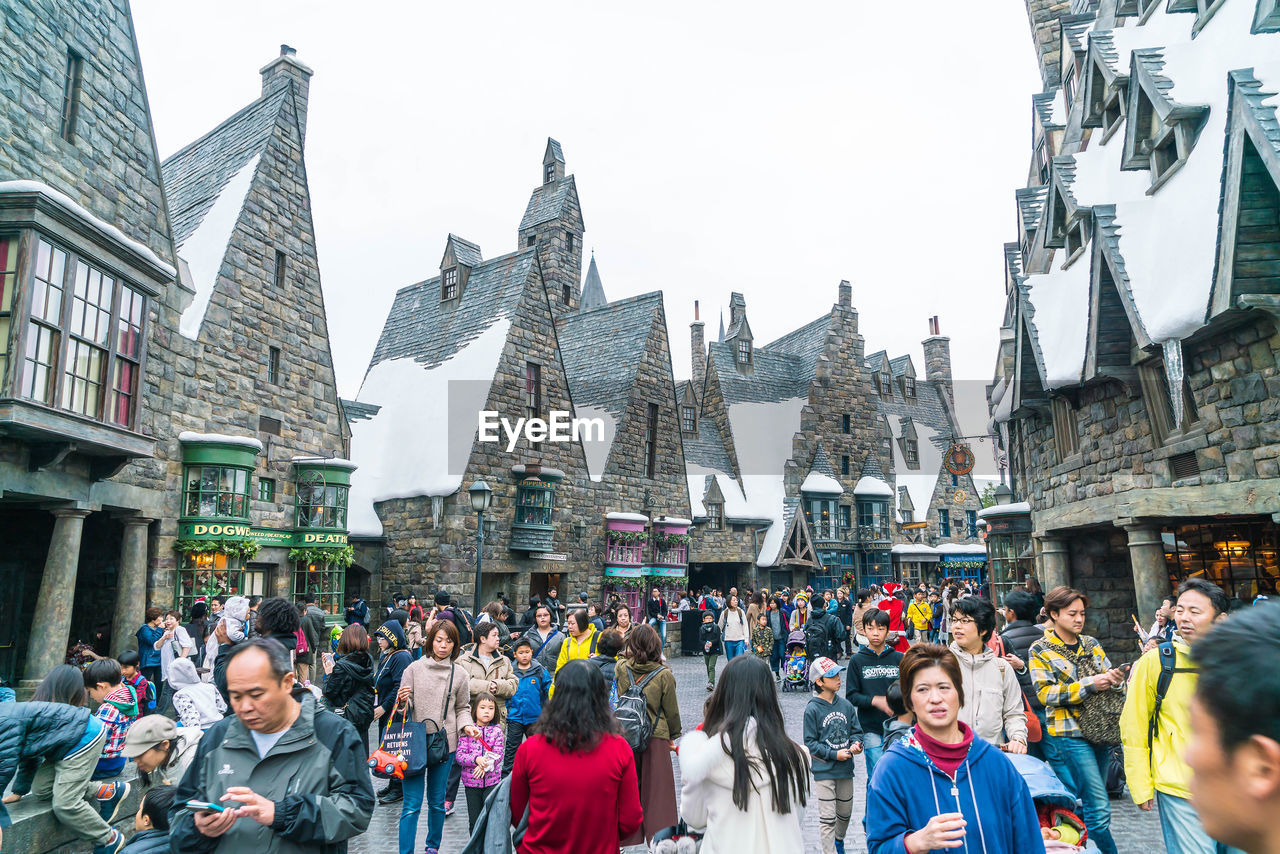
(148, 842)
(907, 790)
(531, 692)
(31, 732)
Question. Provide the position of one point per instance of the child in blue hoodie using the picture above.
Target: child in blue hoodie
(833, 737)
(525, 706)
(939, 788)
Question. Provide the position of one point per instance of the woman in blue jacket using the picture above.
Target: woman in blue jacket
(940, 788)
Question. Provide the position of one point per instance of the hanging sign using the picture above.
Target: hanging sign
(959, 459)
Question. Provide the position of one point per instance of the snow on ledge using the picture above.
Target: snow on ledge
(821, 484)
(206, 247)
(913, 549)
(626, 517)
(961, 549)
(188, 437)
(672, 520)
(331, 462)
(873, 486)
(1017, 508)
(73, 207)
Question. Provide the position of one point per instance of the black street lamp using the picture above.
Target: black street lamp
(481, 495)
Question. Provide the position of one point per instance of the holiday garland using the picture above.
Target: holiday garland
(648, 581)
(343, 556)
(628, 536)
(666, 541)
(243, 549)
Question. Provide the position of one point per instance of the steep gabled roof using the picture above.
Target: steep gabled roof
(774, 376)
(549, 202)
(592, 289)
(902, 366)
(465, 252)
(196, 175)
(808, 343)
(419, 326)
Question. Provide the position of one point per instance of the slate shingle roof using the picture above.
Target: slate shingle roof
(1043, 105)
(1031, 205)
(775, 376)
(548, 202)
(898, 366)
(706, 448)
(357, 411)
(465, 252)
(553, 148)
(419, 327)
(602, 350)
(592, 289)
(808, 343)
(197, 174)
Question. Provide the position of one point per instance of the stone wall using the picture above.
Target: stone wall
(1100, 568)
(109, 165)
(560, 264)
(1044, 15)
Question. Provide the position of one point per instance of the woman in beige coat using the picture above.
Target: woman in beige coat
(489, 671)
(437, 691)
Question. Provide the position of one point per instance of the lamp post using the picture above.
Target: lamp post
(481, 495)
(1003, 495)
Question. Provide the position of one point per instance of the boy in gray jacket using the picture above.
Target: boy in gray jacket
(833, 737)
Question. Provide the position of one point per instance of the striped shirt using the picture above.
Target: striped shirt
(117, 724)
(1058, 684)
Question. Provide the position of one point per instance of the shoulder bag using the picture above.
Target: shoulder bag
(1099, 716)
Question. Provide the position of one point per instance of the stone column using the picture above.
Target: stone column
(1055, 563)
(1150, 573)
(51, 624)
(131, 584)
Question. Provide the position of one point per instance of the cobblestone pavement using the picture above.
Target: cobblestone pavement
(1134, 830)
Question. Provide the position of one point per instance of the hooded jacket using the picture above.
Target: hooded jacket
(350, 686)
(1168, 772)
(479, 676)
(828, 729)
(907, 790)
(148, 842)
(391, 665)
(706, 801)
(549, 652)
(315, 773)
(992, 697)
(525, 706)
(30, 733)
(198, 703)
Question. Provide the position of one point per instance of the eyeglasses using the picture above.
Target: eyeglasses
(961, 621)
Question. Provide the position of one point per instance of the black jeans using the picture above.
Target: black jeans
(515, 737)
(475, 803)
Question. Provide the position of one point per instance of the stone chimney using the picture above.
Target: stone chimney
(737, 309)
(698, 351)
(846, 294)
(937, 354)
(283, 70)
(1043, 16)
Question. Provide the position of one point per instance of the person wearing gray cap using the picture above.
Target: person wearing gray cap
(161, 749)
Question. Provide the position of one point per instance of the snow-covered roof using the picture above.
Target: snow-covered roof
(331, 462)
(822, 484)
(205, 247)
(673, 520)
(1017, 508)
(410, 448)
(873, 486)
(188, 437)
(1167, 238)
(617, 516)
(962, 549)
(109, 231)
(914, 549)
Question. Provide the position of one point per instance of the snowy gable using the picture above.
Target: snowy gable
(420, 440)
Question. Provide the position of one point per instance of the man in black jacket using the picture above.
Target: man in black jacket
(293, 778)
(1020, 632)
(872, 669)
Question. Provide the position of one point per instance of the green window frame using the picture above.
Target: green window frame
(213, 491)
(207, 574)
(535, 503)
(322, 506)
(327, 580)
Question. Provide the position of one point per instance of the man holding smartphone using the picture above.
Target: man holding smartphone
(289, 779)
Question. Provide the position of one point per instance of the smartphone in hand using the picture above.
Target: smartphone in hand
(203, 806)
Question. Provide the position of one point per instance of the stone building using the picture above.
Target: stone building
(514, 337)
(810, 462)
(134, 298)
(1136, 391)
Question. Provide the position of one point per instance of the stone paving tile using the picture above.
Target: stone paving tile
(1134, 830)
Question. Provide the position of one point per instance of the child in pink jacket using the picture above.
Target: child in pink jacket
(480, 758)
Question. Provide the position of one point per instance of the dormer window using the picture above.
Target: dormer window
(911, 451)
(1069, 83)
(1042, 160)
(715, 517)
(1113, 112)
(550, 173)
(909, 387)
(1160, 136)
(744, 352)
(688, 419)
(1077, 237)
(449, 284)
(1267, 18)
(886, 385)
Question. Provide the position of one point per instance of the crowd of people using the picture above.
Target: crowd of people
(250, 726)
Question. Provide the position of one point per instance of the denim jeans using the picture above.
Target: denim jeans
(432, 784)
(660, 626)
(775, 658)
(1182, 831)
(733, 649)
(1047, 749)
(872, 750)
(1088, 764)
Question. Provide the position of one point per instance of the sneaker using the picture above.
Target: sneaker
(391, 796)
(113, 844)
(448, 807)
(839, 846)
(710, 687)
(110, 798)
(432, 851)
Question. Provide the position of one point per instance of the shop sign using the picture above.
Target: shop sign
(214, 531)
(548, 556)
(1008, 525)
(318, 538)
(959, 459)
(963, 562)
(622, 571)
(666, 571)
(272, 537)
(914, 526)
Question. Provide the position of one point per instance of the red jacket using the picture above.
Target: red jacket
(580, 802)
(894, 607)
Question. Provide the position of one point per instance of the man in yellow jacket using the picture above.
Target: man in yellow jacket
(1159, 774)
(581, 642)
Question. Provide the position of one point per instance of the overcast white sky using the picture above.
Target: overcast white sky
(764, 148)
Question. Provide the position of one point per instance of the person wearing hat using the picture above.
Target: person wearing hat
(833, 737)
(393, 660)
(160, 749)
(895, 607)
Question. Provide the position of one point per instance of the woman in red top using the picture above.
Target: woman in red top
(573, 769)
(894, 607)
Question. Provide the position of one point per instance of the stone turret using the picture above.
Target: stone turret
(286, 69)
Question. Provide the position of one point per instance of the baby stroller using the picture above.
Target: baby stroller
(676, 840)
(1055, 805)
(795, 669)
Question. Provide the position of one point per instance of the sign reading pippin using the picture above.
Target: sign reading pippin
(560, 427)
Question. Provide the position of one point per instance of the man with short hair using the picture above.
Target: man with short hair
(293, 778)
(1234, 749)
(557, 607)
(1155, 724)
(1020, 632)
(251, 621)
(316, 633)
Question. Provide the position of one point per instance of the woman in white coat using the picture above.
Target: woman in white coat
(744, 811)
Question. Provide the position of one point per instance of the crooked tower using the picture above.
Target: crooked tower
(553, 224)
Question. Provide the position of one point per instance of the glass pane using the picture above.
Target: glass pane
(227, 480)
(242, 482)
(208, 505)
(209, 479)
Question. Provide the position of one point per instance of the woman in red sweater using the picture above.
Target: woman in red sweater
(573, 768)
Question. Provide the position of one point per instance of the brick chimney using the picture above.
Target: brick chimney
(283, 70)
(846, 293)
(937, 354)
(698, 351)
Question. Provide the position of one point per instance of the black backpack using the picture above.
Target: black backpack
(817, 637)
(632, 713)
(1168, 667)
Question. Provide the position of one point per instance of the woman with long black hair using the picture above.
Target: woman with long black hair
(744, 781)
(576, 774)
